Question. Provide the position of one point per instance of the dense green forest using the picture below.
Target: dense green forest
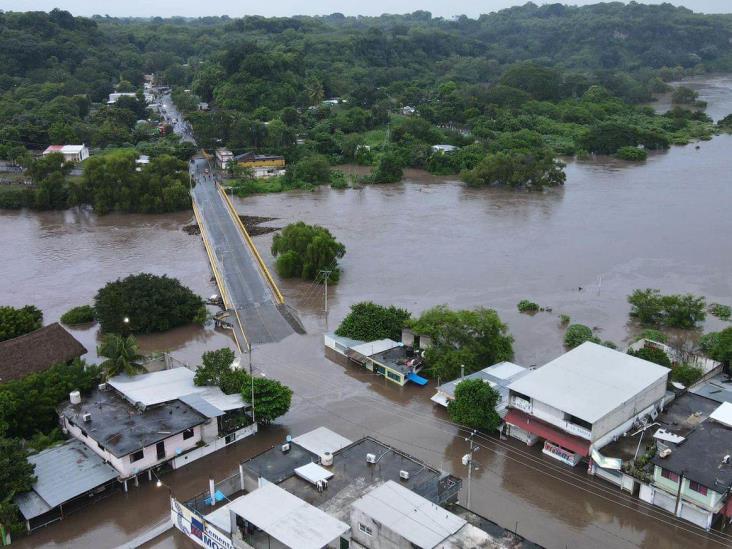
(511, 89)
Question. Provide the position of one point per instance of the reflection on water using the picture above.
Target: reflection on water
(580, 250)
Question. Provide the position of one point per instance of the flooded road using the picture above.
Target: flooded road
(614, 227)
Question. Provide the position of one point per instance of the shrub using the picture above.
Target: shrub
(708, 342)
(723, 312)
(652, 354)
(150, 303)
(313, 169)
(564, 319)
(304, 250)
(368, 321)
(16, 322)
(577, 334)
(631, 153)
(685, 374)
(388, 169)
(526, 306)
(82, 314)
(653, 335)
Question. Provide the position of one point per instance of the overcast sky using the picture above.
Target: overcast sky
(238, 8)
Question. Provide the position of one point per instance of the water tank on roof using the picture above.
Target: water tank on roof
(75, 397)
(326, 459)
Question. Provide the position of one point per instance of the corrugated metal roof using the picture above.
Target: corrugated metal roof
(590, 381)
(287, 518)
(201, 406)
(321, 440)
(409, 515)
(63, 473)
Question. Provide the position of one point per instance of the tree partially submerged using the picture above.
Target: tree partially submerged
(475, 405)
(15, 322)
(122, 356)
(472, 338)
(83, 314)
(303, 251)
(652, 354)
(146, 303)
(651, 308)
(369, 321)
(577, 334)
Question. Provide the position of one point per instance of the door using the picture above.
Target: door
(160, 447)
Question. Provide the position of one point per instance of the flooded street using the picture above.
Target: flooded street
(614, 227)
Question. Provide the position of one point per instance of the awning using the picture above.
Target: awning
(548, 432)
(414, 378)
(440, 399)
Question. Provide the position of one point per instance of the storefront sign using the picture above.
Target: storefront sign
(196, 528)
(557, 452)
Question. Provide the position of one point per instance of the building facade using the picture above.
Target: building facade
(71, 153)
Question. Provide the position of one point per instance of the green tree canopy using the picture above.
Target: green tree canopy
(533, 170)
(652, 354)
(16, 476)
(475, 405)
(651, 308)
(215, 367)
(304, 250)
(577, 334)
(151, 303)
(122, 356)
(78, 315)
(369, 321)
(272, 399)
(15, 322)
(474, 338)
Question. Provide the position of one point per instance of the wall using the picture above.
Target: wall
(212, 446)
(123, 465)
(623, 428)
(647, 397)
(381, 538)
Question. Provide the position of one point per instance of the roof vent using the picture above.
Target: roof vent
(664, 453)
(86, 417)
(726, 459)
(326, 459)
(404, 475)
(285, 448)
(75, 397)
(370, 458)
(102, 386)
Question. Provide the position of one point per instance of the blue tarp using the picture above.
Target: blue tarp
(219, 497)
(414, 378)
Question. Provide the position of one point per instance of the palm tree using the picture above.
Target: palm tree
(122, 354)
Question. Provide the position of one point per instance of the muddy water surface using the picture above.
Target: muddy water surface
(614, 227)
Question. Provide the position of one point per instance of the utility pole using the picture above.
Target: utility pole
(251, 375)
(462, 372)
(326, 274)
(468, 461)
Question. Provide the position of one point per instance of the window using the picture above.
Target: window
(392, 375)
(673, 477)
(137, 456)
(188, 433)
(698, 487)
(365, 529)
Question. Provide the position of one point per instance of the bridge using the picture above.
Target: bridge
(256, 306)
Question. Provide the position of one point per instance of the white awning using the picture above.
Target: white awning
(313, 473)
(441, 399)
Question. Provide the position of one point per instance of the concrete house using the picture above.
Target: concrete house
(71, 153)
(692, 476)
(263, 165)
(140, 422)
(223, 158)
(583, 400)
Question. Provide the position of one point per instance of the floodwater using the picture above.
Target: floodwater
(614, 227)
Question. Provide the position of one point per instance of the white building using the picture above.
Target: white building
(71, 153)
(113, 97)
(443, 148)
(584, 399)
(223, 158)
(139, 422)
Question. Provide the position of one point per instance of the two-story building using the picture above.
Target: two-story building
(583, 400)
(692, 477)
(262, 165)
(224, 157)
(137, 423)
(71, 153)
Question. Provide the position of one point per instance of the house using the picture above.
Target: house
(141, 161)
(692, 476)
(71, 153)
(114, 97)
(443, 148)
(137, 423)
(67, 476)
(499, 377)
(583, 400)
(321, 490)
(391, 359)
(262, 165)
(37, 351)
(203, 106)
(223, 158)
(408, 111)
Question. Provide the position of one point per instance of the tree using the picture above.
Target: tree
(122, 354)
(150, 303)
(684, 96)
(651, 308)
(685, 374)
(272, 399)
(304, 250)
(471, 338)
(722, 347)
(368, 321)
(16, 476)
(78, 315)
(312, 169)
(474, 405)
(534, 170)
(216, 364)
(388, 169)
(16, 322)
(577, 334)
(652, 354)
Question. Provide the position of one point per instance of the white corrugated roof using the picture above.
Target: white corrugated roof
(374, 347)
(312, 472)
(409, 515)
(321, 440)
(287, 518)
(72, 149)
(723, 414)
(166, 385)
(504, 370)
(589, 381)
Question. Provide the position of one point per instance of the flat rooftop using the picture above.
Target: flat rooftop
(499, 375)
(121, 428)
(353, 476)
(590, 381)
(717, 388)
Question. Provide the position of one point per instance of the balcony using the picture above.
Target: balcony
(521, 404)
(577, 430)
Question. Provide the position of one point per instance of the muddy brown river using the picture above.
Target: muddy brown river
(614, 227)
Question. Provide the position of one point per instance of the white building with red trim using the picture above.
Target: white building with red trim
(583, 400)
(72, 153)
